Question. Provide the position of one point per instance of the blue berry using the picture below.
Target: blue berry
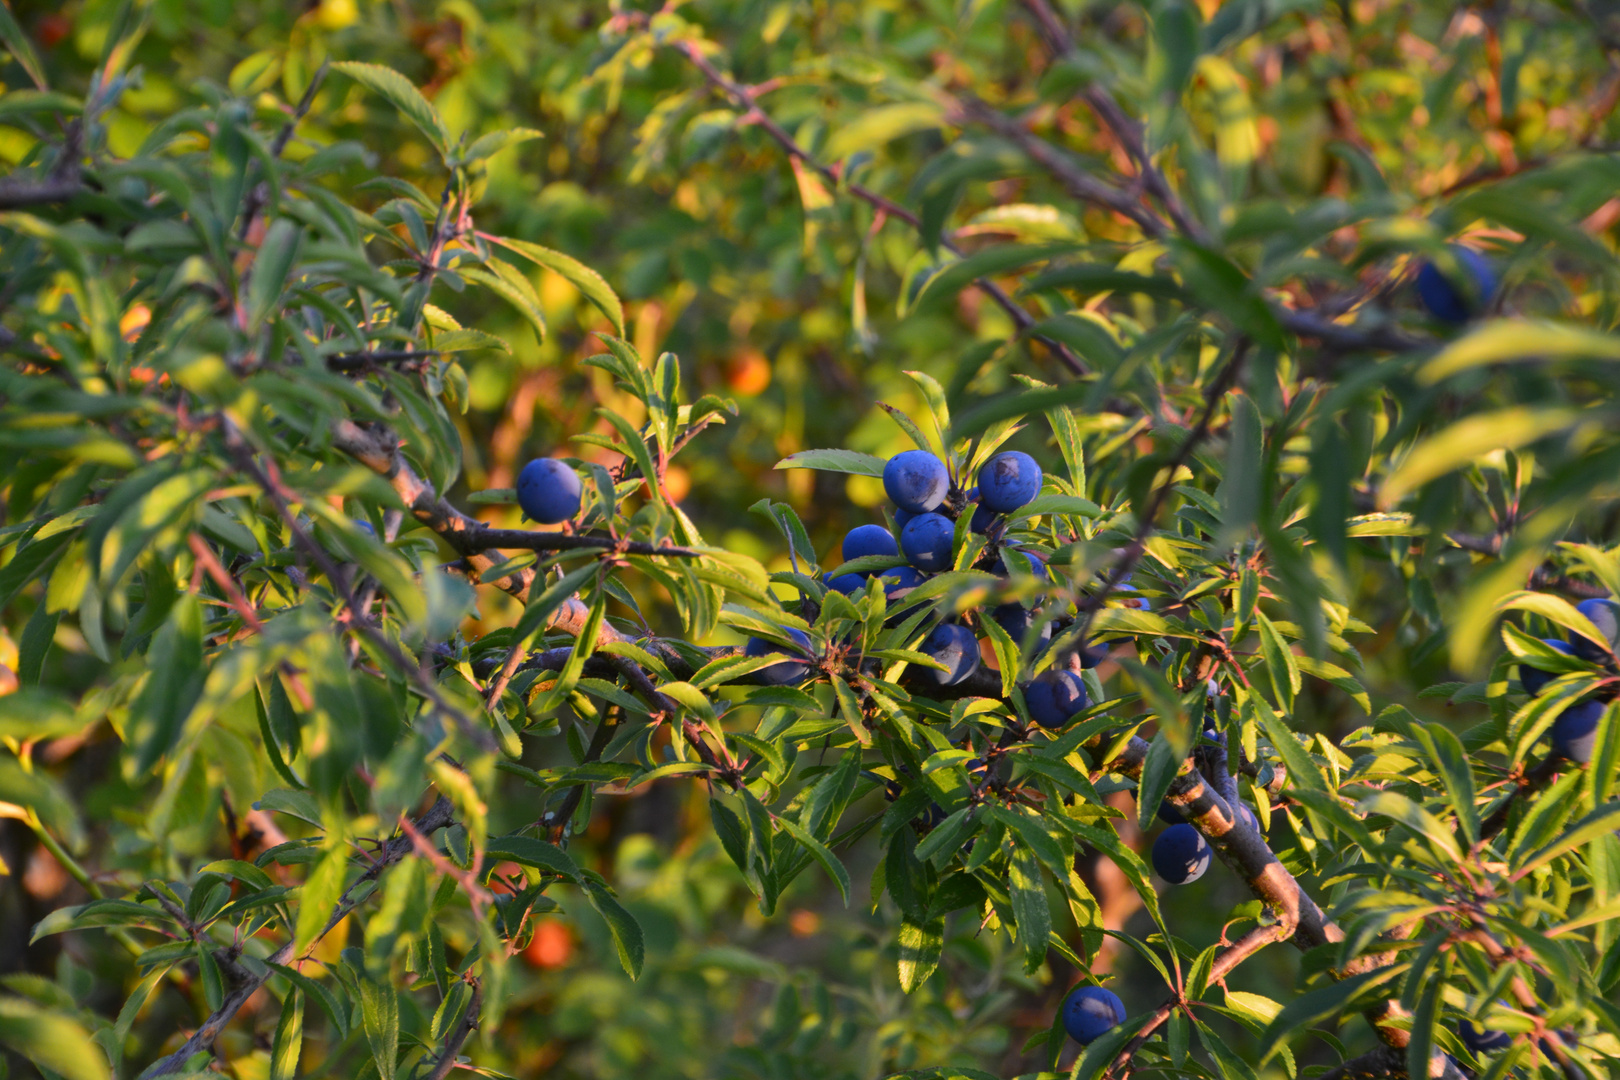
(1533, 678)
(1092, 655)
(845, 583)
(868, 540)
(1483, 1040)
(785, 673)
(1009, 480)
(1054, 698)
(1181, 854)
(1574, 733)
(1017, 620)
(1444, 299)
(927, 540)
(916, 481)
(549, 491)
(1090, 1012)
(956, 648)
(900, 579)
(1605, 615)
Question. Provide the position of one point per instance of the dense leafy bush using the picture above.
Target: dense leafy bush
(1248, 361)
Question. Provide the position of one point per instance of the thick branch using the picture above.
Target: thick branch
(437, 817)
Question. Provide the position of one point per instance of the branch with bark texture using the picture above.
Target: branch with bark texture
(743, 97)
(437, 817)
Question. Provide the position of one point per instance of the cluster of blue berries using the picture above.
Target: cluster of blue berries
(918, 484)
(1574, 733)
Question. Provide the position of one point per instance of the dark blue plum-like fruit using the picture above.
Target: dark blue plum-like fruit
(927, 540)
(1018, 620)
(867, 540)
(785, 672)
(956, 648)
(1009, 480)
(1574, 733)
(1605, 615)
(1533, 678)
(899, 579)
(549, 491)
(1093, 654)
(1090, 1012)
(983, 517)
(1024, 561)
(1054, 698)
(916, 481)
(1444, 298)
(847, 584)
(1483, 1040)
(1181, 854)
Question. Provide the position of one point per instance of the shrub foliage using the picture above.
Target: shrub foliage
(322, 732)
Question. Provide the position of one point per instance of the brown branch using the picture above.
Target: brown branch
(358, 618)
(743, 98)
(1123, 565)
(1241, 950)
(437, 817)
(1524, 784)
(466, 1026)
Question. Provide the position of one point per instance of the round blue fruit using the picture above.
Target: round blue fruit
(847, 584)
(784, 673)
(956, 648)
(1533, 678)
(1090, 1012)
(1025, 562)
(1442, 296)
(549, 491)
(916, 481)
(927, 540)
(1009, 480)
(1574, 733)
(983, 517)
(1017, 620)
(1054, 698)
(1483, 1040)
(1181, 854)
(899, 579)
(868, 540)
(1092, 655)
(1605, 615)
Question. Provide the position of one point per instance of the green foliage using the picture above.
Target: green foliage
(346, 778)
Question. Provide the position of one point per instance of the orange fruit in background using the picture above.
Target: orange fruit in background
(52, 29)
(677, 482)
(748, 371)
(551, 946)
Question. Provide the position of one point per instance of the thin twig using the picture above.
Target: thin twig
(744, 98)
(201, 1040)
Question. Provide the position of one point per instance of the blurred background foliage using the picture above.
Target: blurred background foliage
(776, 287)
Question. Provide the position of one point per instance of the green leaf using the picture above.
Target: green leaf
(1000, 259)
(379, 1012)
(1507, 340)
(1452, 764)
(921, 944)
(621, 924)
(404, 96)
(289, 1040)
(1030, 909)
(322, 889)
(1470, 439)
(50, 1040)
(829, 862)
(1605, 819)
(486, 146)
(590, 284)
(842, 461)
(271, 265)
(1159, 771)
(532, 852)
(875, 126)
(504, 280)
(1318, 1005)
(42, 793)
